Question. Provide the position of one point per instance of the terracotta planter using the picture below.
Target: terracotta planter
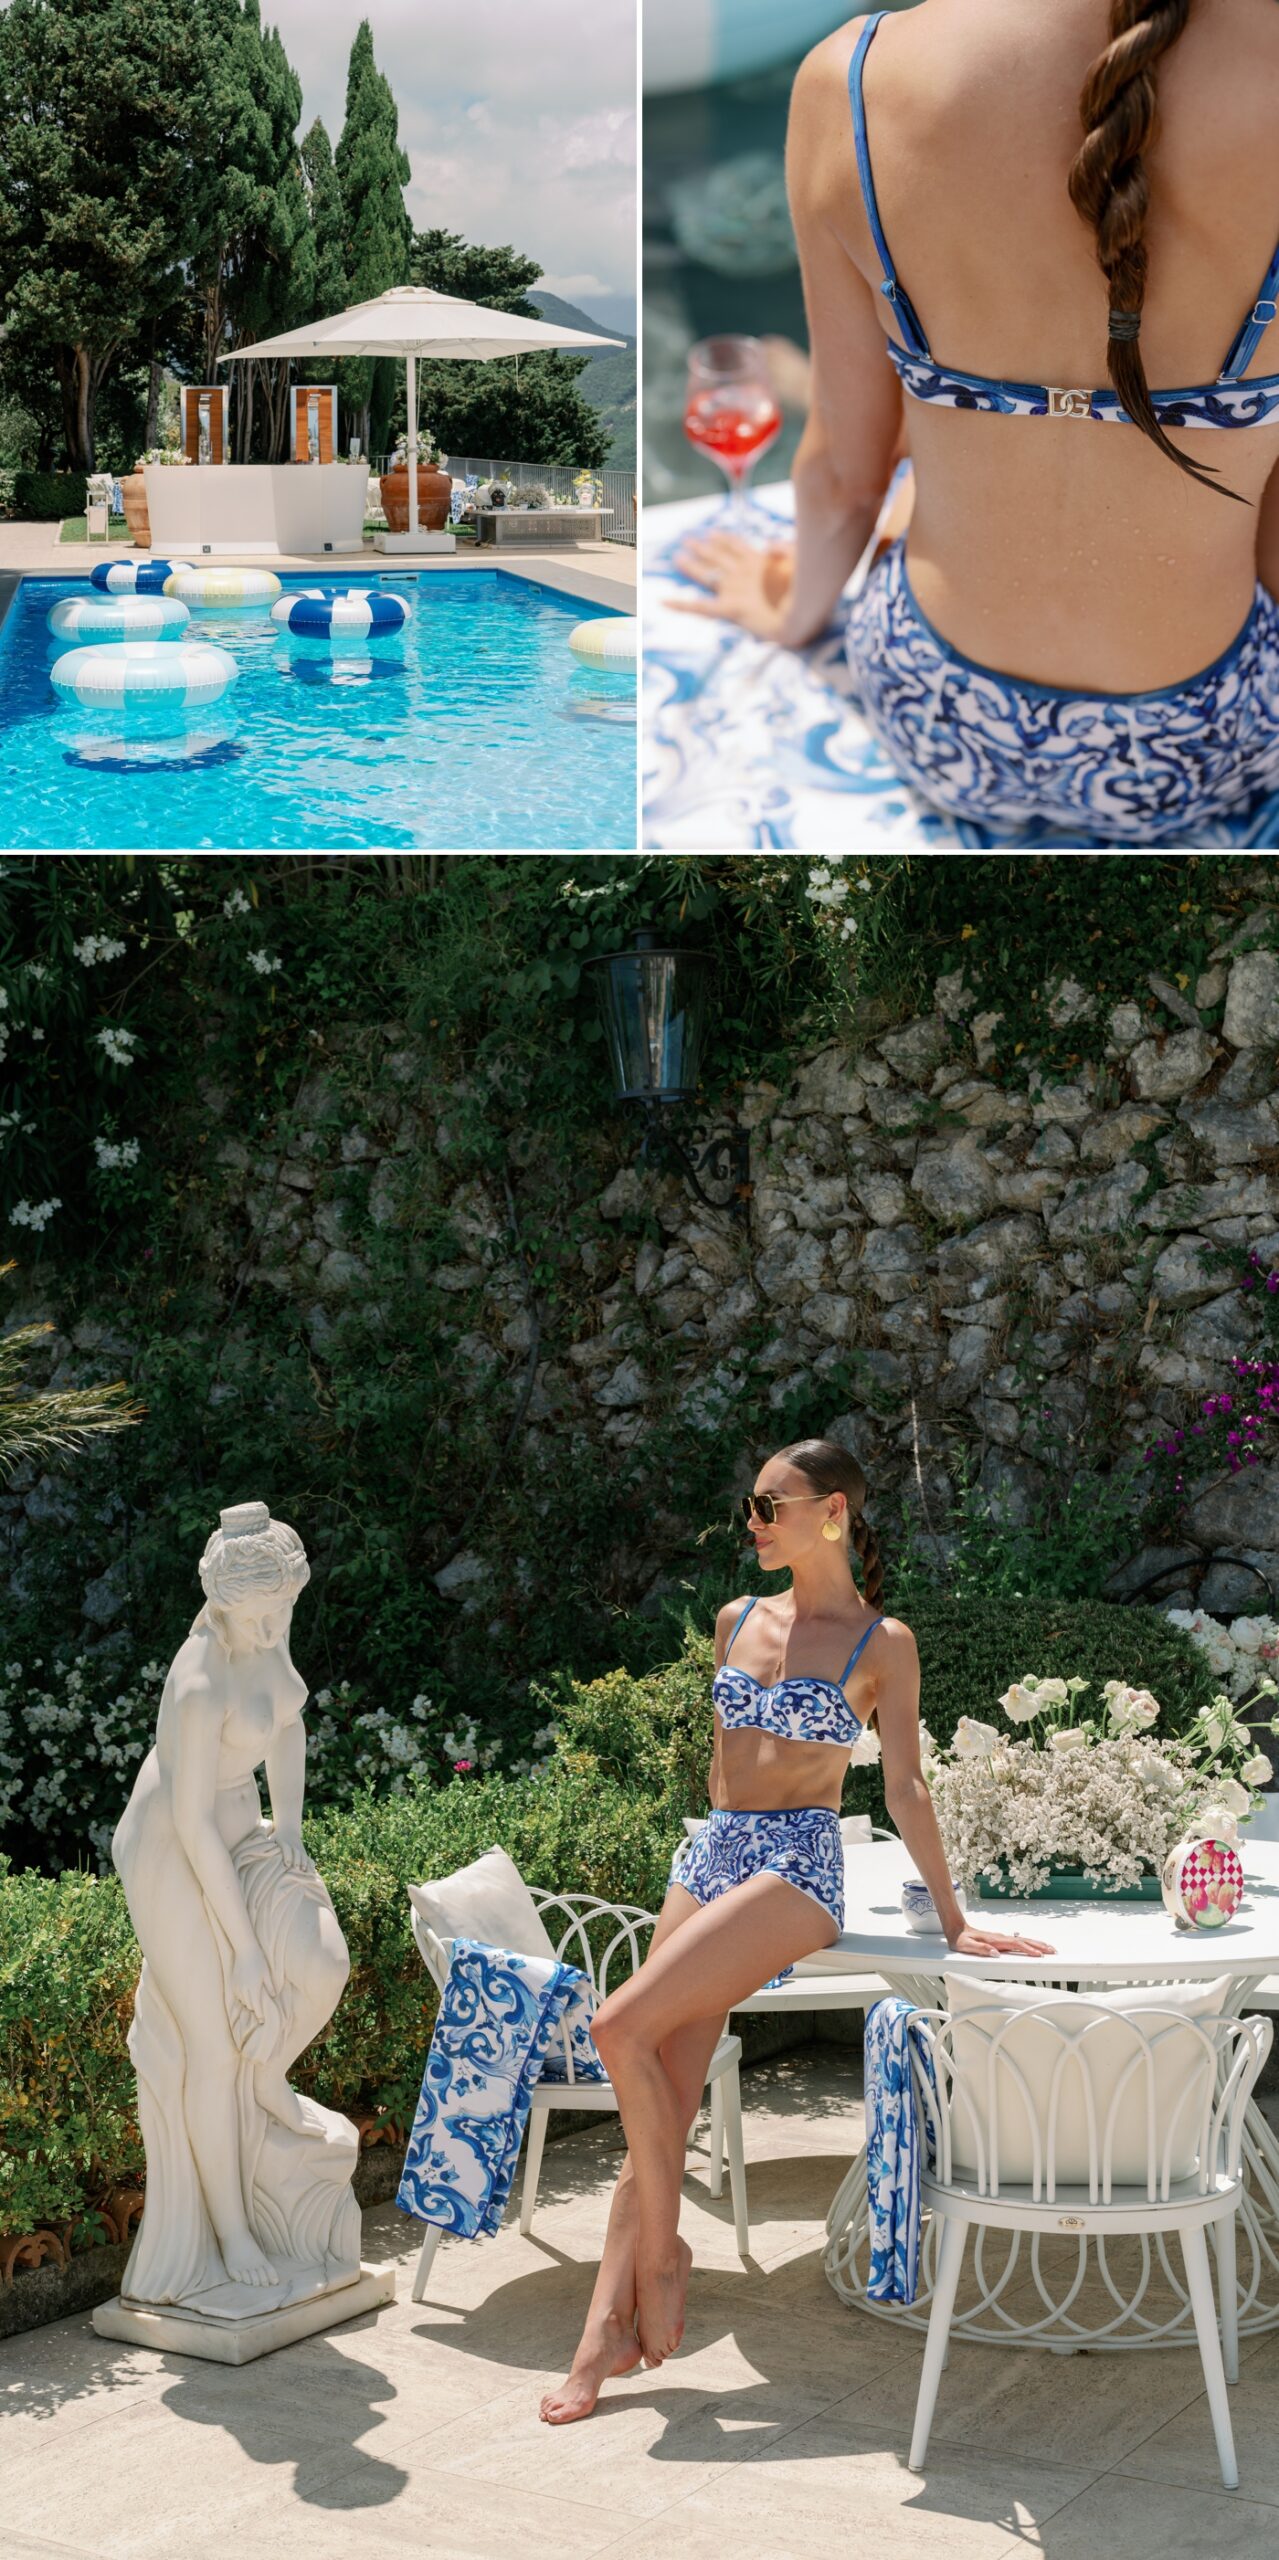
(134, 492)
(434, 491)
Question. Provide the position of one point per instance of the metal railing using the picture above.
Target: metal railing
(555, 477)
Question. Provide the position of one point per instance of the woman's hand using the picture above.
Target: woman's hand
(746, 583)
(292, 1852)
(967, 1941)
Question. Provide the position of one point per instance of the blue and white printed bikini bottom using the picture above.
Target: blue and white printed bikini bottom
(1130, 768)
(801, 1843)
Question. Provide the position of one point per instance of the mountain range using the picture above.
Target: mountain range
(609, 380)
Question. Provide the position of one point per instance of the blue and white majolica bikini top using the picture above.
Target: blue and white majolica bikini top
(798, 1710)
(1229, 402)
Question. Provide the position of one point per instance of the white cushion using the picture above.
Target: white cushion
(488, 1900)
(1181, 2065)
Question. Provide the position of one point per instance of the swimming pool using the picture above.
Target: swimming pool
(476, 729)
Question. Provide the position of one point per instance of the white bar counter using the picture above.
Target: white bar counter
(200, 509)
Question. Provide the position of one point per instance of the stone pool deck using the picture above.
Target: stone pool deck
(778, 2433)
(602, 573)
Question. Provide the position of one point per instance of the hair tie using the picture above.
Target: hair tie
(1125, 327)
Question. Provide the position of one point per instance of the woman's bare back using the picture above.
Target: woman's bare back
(1063, 550)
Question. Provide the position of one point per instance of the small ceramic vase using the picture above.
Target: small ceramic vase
(919, 1909)
(1202, 1883)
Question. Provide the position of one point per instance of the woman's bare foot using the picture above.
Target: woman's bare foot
(605, 2350)
(661, 2287)
(245, 2263)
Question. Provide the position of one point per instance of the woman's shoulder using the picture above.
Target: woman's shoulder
(896, 1633)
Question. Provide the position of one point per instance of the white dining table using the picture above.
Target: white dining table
(1068, 2295)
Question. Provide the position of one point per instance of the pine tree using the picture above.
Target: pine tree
(373, 172)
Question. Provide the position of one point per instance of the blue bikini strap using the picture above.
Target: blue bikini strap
(863, 1639)
(907, 317)
(745, 1614)
(1264, 310)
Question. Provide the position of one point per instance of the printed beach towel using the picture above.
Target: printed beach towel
(505, 2021)
(893, 2153)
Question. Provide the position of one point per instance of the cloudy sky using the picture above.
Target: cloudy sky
(519, 120)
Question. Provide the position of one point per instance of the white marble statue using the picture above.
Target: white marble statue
(249, 2205)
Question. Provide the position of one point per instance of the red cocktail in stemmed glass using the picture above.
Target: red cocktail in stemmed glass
(731, 413)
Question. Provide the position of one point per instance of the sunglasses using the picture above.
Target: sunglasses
(763, 1506)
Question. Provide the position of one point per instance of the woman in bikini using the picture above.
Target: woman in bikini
(1045, 237)
(764, 1883)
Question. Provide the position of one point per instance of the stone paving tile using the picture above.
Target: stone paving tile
(432, 2517)
(1121, 2519)
(1183, 2452)
(24, 2546)
(826, 2489)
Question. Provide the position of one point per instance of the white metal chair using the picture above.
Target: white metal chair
(1068, 2115)
(599, 1937)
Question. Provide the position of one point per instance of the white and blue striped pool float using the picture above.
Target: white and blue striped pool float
(98, 618)
(608, 640)
(690, 44)
(144, 671)
(222, 587)
(134, 577)
(361, 610)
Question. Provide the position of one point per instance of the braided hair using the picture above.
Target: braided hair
(1110, 189)
(832, 1469)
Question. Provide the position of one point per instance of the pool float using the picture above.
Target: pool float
(609, 641)
(118, 618)
(360, 610)
(223, 586)
(143, 671)
(690, 44)
(135, 577)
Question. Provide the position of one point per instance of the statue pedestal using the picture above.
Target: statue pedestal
(173, 2330)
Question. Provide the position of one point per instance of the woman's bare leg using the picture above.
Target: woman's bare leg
(699, 1973)
(608, 2344)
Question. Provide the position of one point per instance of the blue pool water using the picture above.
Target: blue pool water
(477, 728)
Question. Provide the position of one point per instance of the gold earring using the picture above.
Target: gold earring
(830, 1528)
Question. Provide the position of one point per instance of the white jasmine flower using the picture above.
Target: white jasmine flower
(266, 965)
(33, 1213)
(117, 1044)
(236, 904)
(96, 947)
(111, 1153)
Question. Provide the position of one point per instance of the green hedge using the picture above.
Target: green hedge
(41, 497)
(632, 1759)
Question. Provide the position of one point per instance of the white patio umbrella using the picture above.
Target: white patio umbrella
(411, 321)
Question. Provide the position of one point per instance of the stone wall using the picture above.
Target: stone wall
(991, 1258)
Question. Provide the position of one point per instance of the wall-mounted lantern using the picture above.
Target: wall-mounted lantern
(653, 1001)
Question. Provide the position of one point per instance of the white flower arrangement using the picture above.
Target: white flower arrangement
(1245, 1654)
(1096, 1794)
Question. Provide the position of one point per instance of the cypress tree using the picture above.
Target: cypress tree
(328, 223)
(373, 172)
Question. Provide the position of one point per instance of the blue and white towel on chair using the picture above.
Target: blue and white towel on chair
(893, 2153)
(501, 2027)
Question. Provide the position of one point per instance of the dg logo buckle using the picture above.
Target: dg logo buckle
(1070, 404)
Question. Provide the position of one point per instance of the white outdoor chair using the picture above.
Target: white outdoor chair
(598, 1937)
(1071, 2114)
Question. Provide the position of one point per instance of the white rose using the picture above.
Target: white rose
(1180, 1617)
(974, 1740)
(1143, 1710)
(1019, 1703)
(1215, 1822)
(1052, 1693)
(1247, 1634)
(865, 1751)
(1235, 1798)
(1071, 1737)
(1257, 1772)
